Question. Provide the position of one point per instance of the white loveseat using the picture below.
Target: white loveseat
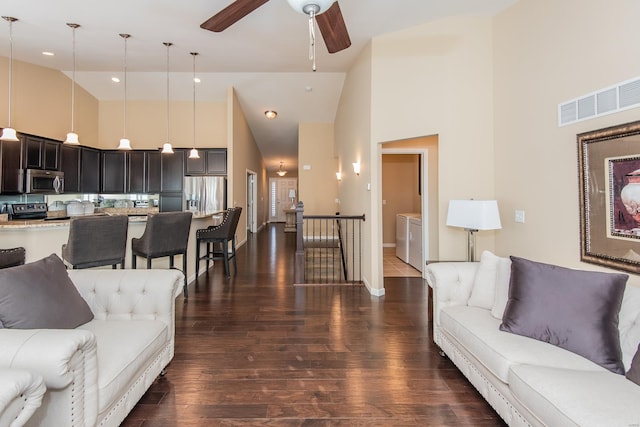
(530, 382)
(96, 373)
(21, 394)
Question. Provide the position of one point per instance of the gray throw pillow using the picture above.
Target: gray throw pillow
(633, 373)
(40, 295)
(573, 309)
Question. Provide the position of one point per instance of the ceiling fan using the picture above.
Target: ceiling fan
(326, 13)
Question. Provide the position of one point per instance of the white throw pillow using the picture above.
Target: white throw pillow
(503, 276)
(484, 283)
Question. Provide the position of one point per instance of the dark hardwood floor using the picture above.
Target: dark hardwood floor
(256, 351)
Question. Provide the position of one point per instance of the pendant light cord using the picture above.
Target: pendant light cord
(124, 113)
(73, 78)
(10, 63)
(168, 45)
(194, 54)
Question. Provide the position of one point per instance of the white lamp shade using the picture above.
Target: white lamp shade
(125, 144)
(9, 134)
(292, 193)
(167, 148)
(193, 154)
(72, 138)
(474, 214)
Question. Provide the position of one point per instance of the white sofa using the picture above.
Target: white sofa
(21, 394)
(96, 373)
(530, 382)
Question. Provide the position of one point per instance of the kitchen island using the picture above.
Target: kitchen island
(41, 238)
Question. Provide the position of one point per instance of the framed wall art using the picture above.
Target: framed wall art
(609, 170)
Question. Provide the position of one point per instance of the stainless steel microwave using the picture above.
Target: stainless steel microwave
(44, 181)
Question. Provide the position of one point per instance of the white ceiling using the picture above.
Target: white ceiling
(264, 55)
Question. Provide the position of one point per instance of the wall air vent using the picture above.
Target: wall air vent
(619, 97)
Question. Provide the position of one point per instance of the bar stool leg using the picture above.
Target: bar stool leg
(148, 263)
(133, 260)
(184, 271)
(197, 258)
(225, 254)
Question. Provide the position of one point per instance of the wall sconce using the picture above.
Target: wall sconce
(339, 176)
(356, 168)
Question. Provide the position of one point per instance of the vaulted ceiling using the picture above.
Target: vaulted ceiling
(264, 55)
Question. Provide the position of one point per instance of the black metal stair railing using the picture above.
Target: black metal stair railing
(328, 248)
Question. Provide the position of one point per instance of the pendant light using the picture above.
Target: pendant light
(281, 171)
(8, 133)
(166, 148)
(125, 144)
(193, 154)
(72, 137)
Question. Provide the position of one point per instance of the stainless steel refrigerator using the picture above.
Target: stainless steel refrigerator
(205, 194)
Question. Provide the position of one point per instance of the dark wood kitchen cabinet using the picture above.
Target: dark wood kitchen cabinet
(11, 175)
(70, 165)
(41, 153)
(172, 172)
(143, 171)
(154, 171)
(89, 170)
(114, 166)
(212, 161)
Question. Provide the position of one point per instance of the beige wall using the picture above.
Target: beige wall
(42, 103)
(242, 156)
(147, 124)
(547, 52)
(434, 79)
(437, 79)
(353, 143)
(317, 187)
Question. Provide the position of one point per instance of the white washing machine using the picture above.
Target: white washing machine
(415, 242)
(402, 235)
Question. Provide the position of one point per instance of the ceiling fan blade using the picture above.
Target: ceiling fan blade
(231, 14)
(333, 29)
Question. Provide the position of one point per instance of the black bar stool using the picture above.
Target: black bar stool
(219, 235)
(95, 241)
(166, 234)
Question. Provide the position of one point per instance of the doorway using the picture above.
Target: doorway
(420, 180)
(279, 190)
(252, 195)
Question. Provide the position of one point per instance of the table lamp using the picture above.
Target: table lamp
(292, 196)
(473, 215)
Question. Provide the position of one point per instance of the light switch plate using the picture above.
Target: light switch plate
(519, 216)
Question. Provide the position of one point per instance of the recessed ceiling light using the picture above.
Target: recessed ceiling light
(308, 88)
(115, 79)
(48, 53)
(271, 114)
(196, 79)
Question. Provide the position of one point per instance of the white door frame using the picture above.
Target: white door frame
(424, 197)
(252, 206)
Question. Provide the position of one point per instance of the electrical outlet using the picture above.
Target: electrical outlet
(519, 216)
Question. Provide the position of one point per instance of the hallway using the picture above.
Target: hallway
(256, 351)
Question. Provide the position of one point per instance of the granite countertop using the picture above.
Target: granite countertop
(135, 215)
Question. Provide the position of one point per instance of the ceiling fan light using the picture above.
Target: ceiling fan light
(167, 148)
(300, 6)
(9, 134)
(193, 154)
(125, 144)
(72, 139)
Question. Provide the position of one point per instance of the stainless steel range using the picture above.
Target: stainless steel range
(27, 211)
